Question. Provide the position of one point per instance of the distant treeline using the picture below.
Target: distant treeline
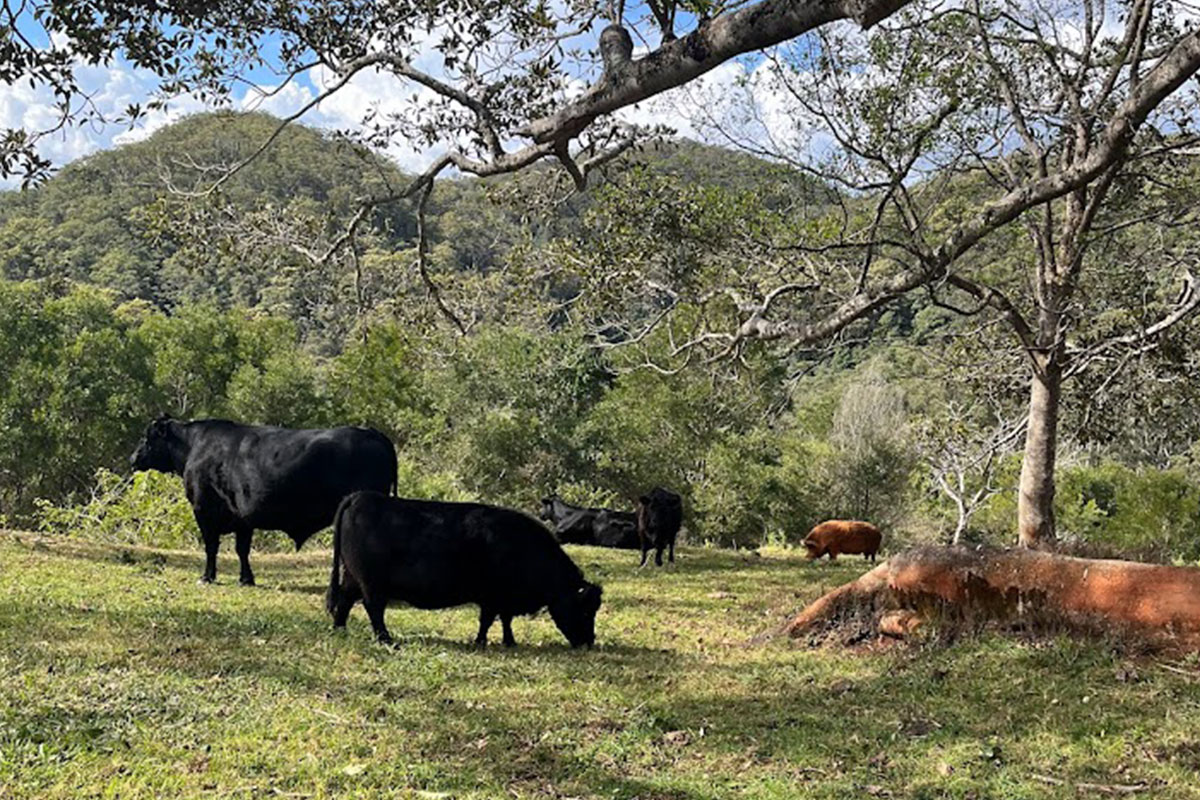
(506, 416)
(122, 298)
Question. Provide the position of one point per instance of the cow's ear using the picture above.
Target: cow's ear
(644, 499)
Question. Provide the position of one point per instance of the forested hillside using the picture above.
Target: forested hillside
(128, 219)
(527, 358)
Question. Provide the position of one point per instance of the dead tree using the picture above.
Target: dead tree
(1148, 602)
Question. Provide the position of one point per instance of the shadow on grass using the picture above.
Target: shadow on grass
(620, 721)
(133, 555)
(273, 644)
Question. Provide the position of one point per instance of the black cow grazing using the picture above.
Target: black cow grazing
(438, 555)
(659, 515)
(242, 477)
(595, 526)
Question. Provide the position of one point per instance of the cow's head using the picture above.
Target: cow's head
(548, 507)
(159, 447)
(655, 508)
(575, 614)
(812, 549)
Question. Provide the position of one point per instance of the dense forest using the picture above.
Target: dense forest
(510, 361)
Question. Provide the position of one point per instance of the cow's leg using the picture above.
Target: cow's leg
(244, 535)
(487, 616)
(645, 552)
(212, 543)
(375, 607)
(350, 595)
(658, 555)
(671, 557)
(211, 524)
(506, 623)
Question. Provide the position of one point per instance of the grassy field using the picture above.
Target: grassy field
(121, 677)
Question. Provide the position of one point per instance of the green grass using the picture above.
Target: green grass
(120, 676)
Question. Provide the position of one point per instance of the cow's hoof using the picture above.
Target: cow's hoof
(205, 580)
(479, 645)
(510, 645)
(246, 581)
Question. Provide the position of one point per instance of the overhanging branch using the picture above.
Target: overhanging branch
(714, 42)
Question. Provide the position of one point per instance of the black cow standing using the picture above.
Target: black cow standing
(438, 555)
(596, 526)
(242, 477)
(659, 515)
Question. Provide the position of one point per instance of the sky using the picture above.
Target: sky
(116, 86)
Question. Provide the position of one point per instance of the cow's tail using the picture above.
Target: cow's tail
(395, 466)
(334, 594)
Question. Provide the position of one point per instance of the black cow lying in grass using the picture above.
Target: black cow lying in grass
(659, 516)
(242, 477)
(596, 526)
(437, 555)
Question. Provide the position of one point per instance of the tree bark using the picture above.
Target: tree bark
(1153, 603)
(1035, 501)
(733, 33)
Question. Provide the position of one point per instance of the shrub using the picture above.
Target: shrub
(417, 482)
(146, 509)
(1153, 513)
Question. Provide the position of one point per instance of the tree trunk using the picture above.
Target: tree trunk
(970, 586)
(961, 526)
(1035, 502)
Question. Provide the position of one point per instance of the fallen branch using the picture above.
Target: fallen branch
(1150, 602)
(1100, 788)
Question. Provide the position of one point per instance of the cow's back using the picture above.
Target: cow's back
(284, 479)
(436, 555)
(617, 529)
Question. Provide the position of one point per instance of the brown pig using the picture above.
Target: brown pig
(837, 536)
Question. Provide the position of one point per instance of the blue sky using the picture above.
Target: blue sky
(118, 85)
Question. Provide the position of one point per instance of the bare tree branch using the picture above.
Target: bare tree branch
(1186, 304)
(714, 42)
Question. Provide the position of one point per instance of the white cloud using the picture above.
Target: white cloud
(111, 90)
(281, 102)
(177, 109)
(739, 103)
(383, 93)
(676, 109)
(115, 87)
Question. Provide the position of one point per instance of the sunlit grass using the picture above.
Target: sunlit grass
(120, 676)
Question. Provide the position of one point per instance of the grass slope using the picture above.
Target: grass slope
(121, 677)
